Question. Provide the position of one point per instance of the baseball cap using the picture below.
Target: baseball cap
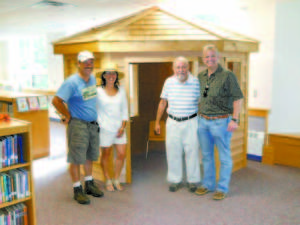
(84, 55)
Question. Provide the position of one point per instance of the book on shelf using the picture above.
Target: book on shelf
(43, 102)
(2, 188)
(14, 215)
(6, 107)
(33, 103)
(15, 184)
(11, 150)
(20, 149)
(22, 104)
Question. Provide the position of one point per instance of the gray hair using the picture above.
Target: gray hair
(210, 47)
(181, 59)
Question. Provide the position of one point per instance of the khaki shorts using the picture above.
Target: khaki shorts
(83, 141)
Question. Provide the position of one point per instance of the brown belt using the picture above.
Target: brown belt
(214, 117)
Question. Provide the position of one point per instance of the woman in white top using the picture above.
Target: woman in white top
(112, 117)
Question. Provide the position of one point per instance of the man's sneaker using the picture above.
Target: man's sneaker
(201, 191)
(219, 195)
(92, 189)
(174, 187)
(80, 197)
(192, 187)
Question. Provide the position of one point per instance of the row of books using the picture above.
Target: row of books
(6, 107)
(14, 215)
(11, 150)
(14, 185)
(32, 103)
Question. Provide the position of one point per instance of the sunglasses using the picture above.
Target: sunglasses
(205, 91)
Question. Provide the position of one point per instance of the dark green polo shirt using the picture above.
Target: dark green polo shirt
(223, 91)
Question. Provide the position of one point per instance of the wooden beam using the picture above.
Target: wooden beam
(75, 48)
(258, 112)
(136, 46)
(156, 46)
(240, 46)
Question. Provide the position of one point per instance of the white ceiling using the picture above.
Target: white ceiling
(29, 16)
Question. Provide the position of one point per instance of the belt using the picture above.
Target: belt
(92, 122)
(179, 119)
(214, 117)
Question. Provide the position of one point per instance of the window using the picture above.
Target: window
(28, 64)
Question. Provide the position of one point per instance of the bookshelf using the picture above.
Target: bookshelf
(18, 200)
(38, 116)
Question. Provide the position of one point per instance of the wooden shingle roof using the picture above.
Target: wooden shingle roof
(154, 26)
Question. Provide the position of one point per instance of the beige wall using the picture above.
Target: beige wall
(3, 60)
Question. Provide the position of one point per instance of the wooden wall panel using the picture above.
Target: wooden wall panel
(284, 149)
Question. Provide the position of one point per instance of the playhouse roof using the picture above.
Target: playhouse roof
(154, 29)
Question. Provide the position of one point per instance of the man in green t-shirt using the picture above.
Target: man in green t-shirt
(219, 109)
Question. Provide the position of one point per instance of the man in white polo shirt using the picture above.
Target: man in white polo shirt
(181, 94)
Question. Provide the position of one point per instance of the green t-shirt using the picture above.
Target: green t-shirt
(222, 92)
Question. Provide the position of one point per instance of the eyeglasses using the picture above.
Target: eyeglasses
(205, 91)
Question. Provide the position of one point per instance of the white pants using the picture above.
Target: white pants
(182, 137)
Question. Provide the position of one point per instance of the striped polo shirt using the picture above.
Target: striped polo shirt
(182, 98)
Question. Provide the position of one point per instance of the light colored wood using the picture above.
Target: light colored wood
(268, 155)
(239, 138)
(39, 120)
(24, 128)
(152, 136)
(75, 48)
(134, 98)
(137, 45)
(153, 24)
(258, 112)
(40, 129)
(40, 91)
(284, 149)
(240, 46)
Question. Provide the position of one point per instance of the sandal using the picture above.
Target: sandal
(109, 185)
(117, 185)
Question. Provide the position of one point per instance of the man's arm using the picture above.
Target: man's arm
(236, 111)
(160, 111)
(61, 108)
(237, 108)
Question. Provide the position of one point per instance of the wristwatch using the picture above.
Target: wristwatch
(235, 120)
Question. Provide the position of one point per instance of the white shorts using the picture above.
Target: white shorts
(108, 138)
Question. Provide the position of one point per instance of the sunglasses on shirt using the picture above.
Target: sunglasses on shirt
(205, 91)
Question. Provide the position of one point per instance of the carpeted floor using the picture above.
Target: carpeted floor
(259, 195)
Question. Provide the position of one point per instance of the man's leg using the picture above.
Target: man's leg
(222, 139)
(92, 154)
(174, 154)
(191, 149)
(207, 149)
(75, 172)
(75, 158)
(88, 168)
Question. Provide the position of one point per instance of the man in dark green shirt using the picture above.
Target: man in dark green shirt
(219, 110)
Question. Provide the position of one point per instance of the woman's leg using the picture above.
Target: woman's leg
(120, 158)
(105, 157)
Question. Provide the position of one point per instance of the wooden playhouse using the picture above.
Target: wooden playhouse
(143, 47)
